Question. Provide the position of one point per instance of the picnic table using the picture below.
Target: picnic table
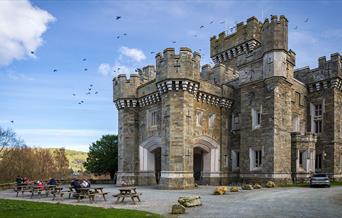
(89, 193)
(57, 192)
(22, 188)
(129, 192)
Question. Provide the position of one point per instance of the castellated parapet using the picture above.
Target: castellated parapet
(185, 64)
(250, 117)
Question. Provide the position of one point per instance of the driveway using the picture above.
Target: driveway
(277, 202)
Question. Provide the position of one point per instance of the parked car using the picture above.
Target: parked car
(320, 180)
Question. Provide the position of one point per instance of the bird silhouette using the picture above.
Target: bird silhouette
(201, 26)
(89, 89)
(222, 22)
(173, 42)
(91, 85)
(84, 59)
(85, 69)
(152, 52)
(118, 18)
(306, 20)
(32, 52)
(195, 35)
(211, 22)
(118, 37)
(125, 34)
(79, 103)
(12, 121)
(88, 93)
(296, 27)
(96, 93)
(74, 94)
(54, 70)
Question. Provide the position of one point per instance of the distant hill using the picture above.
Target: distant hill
(76, 158)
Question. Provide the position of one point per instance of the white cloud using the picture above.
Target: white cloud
(21, 29)
(18, 76)
(133, 53)
(104, 69)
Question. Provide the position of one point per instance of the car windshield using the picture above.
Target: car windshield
(320, 175)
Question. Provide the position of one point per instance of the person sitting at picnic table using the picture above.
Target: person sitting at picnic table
(26, 180)
(19, 180)
(52, 181)
(85, 184)
(76, 185)
(40, 185)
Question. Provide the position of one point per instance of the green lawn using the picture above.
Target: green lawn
(16, 208)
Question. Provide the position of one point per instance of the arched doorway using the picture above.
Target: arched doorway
(198, 164)
(206, 159)
(150, 158)
(157, 163)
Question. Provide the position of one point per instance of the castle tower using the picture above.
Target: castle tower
(125, 98)
(176, 78)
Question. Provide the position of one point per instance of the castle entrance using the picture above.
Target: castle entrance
(157, 163)
(198, 164)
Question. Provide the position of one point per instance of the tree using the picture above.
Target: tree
(62, 162)
(8, 139)
(103, 156)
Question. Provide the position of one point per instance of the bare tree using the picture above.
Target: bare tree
(8, 139)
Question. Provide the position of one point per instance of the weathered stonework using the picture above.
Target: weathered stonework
(251, 117)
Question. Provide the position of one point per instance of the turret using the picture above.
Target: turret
(274, 34)
(183, 65)
(125, 90)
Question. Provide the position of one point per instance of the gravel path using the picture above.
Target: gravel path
(277, 202)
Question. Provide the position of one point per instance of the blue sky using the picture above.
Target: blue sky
(62, 33)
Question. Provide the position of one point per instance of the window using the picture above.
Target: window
(235, 121)
(256, 119)
(235, 159)
(258, 158)
(318, 118)
(297, 98)
(318, 163)
(154, 117)
(301, 158)
(255, 158)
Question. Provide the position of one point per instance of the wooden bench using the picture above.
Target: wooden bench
(99, 191)
(86, 193)
(58, 192)
(22, 189)
(127, 193)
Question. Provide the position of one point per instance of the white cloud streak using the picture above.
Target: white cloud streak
(133, 53)
(21, 28)
(104, 69)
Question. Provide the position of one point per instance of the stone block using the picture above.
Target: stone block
(247, 187)
(178, 209)
(190, 201)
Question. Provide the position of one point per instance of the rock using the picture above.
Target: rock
(220, 190)
(270, 184)
(178, 209)
(234, 189)
(190, 201)
(247, 187)
(257, 186)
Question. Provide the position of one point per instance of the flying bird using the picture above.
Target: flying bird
(12, 121)
(118, 18)
(85, 69)
(96, 93)
(84, 59)
(74, 94)
(296, 28)
(91, 85)
(152, 52)
(211, 22)
(88, 93)
(222, 22)
(32, 52)
(118, 37)
(201, 26)
(54, 70)
(195, 35)
(125, 34)
(306, 20)
(89, 89)
(173, 42)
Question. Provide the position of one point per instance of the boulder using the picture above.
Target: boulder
(234, 189)
(270, 184)
(190, 201)
(220, 190)
(247, 187)
(257, 186)
(178, 209)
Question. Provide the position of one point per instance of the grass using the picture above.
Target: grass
(18, 209)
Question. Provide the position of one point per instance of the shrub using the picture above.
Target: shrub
(220, 190)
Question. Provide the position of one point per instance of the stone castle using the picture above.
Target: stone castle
(250, 117)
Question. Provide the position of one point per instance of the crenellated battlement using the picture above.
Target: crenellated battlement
(275, 34)
(185, 64)
(125, 88)
(244, 39)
